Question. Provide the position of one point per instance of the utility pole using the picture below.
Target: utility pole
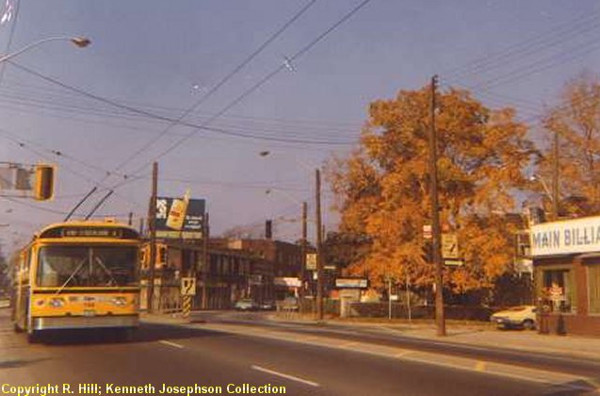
(319, 246)
(555, 172)
(435, 218)
(205, 261)
(303, 253)
(152, 229)
(130, 219)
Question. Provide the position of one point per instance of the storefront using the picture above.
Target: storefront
(566, 260)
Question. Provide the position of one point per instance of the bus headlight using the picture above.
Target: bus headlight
(57, 302)
(119, 301)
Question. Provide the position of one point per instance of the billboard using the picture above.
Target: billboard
(178, 218)
(565, 237)
(351, 283)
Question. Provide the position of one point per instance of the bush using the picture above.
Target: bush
(454, 312)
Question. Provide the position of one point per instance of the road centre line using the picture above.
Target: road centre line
(287, 376)
(480, 365)
(165, 342)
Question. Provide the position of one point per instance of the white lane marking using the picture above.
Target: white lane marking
(165, 342)
(290, 377)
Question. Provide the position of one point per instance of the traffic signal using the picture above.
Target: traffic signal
(44, 182)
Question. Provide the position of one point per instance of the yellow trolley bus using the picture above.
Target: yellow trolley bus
(78, 275)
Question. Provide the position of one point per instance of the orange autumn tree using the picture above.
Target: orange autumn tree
(576, 120)
(382, 188)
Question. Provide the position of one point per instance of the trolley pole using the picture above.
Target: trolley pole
(435, 218)
(152, 229)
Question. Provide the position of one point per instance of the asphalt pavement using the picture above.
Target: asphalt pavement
(232, 359)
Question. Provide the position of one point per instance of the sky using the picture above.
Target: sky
(294, 78)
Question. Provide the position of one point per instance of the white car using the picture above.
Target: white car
(523, 316)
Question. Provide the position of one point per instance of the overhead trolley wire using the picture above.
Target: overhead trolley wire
(254, 87)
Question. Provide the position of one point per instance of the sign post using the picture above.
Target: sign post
(188, 289)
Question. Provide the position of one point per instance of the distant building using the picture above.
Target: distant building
(237, 268)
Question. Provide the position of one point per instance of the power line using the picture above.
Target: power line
(10, 39)
(257, 85)
(539, 42)
(183, 123)
(220, 83)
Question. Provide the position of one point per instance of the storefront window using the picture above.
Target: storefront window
(594, 288)
(557, 290)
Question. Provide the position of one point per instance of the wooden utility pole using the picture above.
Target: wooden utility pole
(152, 229)
(435, 218)
(303, 254)
(555, 173)
(205, 261)
(319, 246)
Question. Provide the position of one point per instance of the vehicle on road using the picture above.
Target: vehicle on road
(78, 275)
(267, 305)
(523, 316)
(245, 304)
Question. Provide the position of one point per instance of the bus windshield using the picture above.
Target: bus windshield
(84, 266)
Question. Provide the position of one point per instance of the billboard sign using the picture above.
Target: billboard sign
(287, 282)
(351, 283)
(178, 218)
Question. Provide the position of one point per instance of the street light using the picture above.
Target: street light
(319, 239)
(80, 42)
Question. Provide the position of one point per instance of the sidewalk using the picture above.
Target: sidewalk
(472, 333)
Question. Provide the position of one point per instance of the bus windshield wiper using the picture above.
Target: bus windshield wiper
(79, 267)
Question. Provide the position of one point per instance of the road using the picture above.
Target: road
(170, 355)
(384, 336)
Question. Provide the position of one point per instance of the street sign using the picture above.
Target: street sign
(556, 293)
(188, 286)
(351, 283)
(454, 262)
(450, 246)
(311, 261)
(427, 231)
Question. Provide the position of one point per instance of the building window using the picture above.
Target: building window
(558, 290)
(594, 288)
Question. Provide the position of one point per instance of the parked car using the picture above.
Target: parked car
(523, 316)
(245, 304)
(267, 305)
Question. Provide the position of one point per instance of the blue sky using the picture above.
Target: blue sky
(162, 57)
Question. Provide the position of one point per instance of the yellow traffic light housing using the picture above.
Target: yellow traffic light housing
(44, 182)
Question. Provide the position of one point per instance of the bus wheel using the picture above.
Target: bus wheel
(126, 334)
(33, 337)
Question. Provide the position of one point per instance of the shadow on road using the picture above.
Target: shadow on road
(20, 363)
(146, 333)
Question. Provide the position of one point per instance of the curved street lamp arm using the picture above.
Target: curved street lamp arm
(80, 42)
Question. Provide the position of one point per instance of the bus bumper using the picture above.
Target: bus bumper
(83, 322)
